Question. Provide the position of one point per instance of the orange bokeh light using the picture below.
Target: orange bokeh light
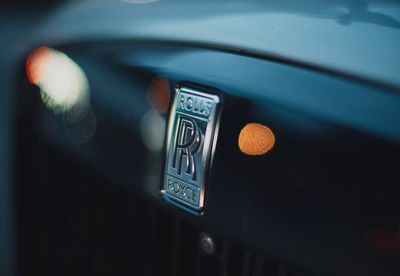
(256, 139)
(37, 64)
(159, 94)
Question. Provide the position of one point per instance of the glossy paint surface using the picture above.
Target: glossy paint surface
(356, 38)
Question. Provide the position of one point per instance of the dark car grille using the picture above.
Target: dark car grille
(73, 222)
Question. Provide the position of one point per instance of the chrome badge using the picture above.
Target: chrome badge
(192, 133)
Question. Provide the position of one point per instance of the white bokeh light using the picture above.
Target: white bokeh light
(63, 84)
(152, 129)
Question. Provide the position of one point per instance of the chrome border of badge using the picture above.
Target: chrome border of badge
(192, 134)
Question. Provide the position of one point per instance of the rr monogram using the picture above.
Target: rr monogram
(188, 143)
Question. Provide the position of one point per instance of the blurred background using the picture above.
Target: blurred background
(18, 21)
(312, 202)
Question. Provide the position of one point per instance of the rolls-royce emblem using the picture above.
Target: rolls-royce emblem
(192, 134)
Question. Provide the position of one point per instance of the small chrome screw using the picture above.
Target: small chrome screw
(207, 243)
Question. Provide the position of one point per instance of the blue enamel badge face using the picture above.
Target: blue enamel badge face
(192, 134)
